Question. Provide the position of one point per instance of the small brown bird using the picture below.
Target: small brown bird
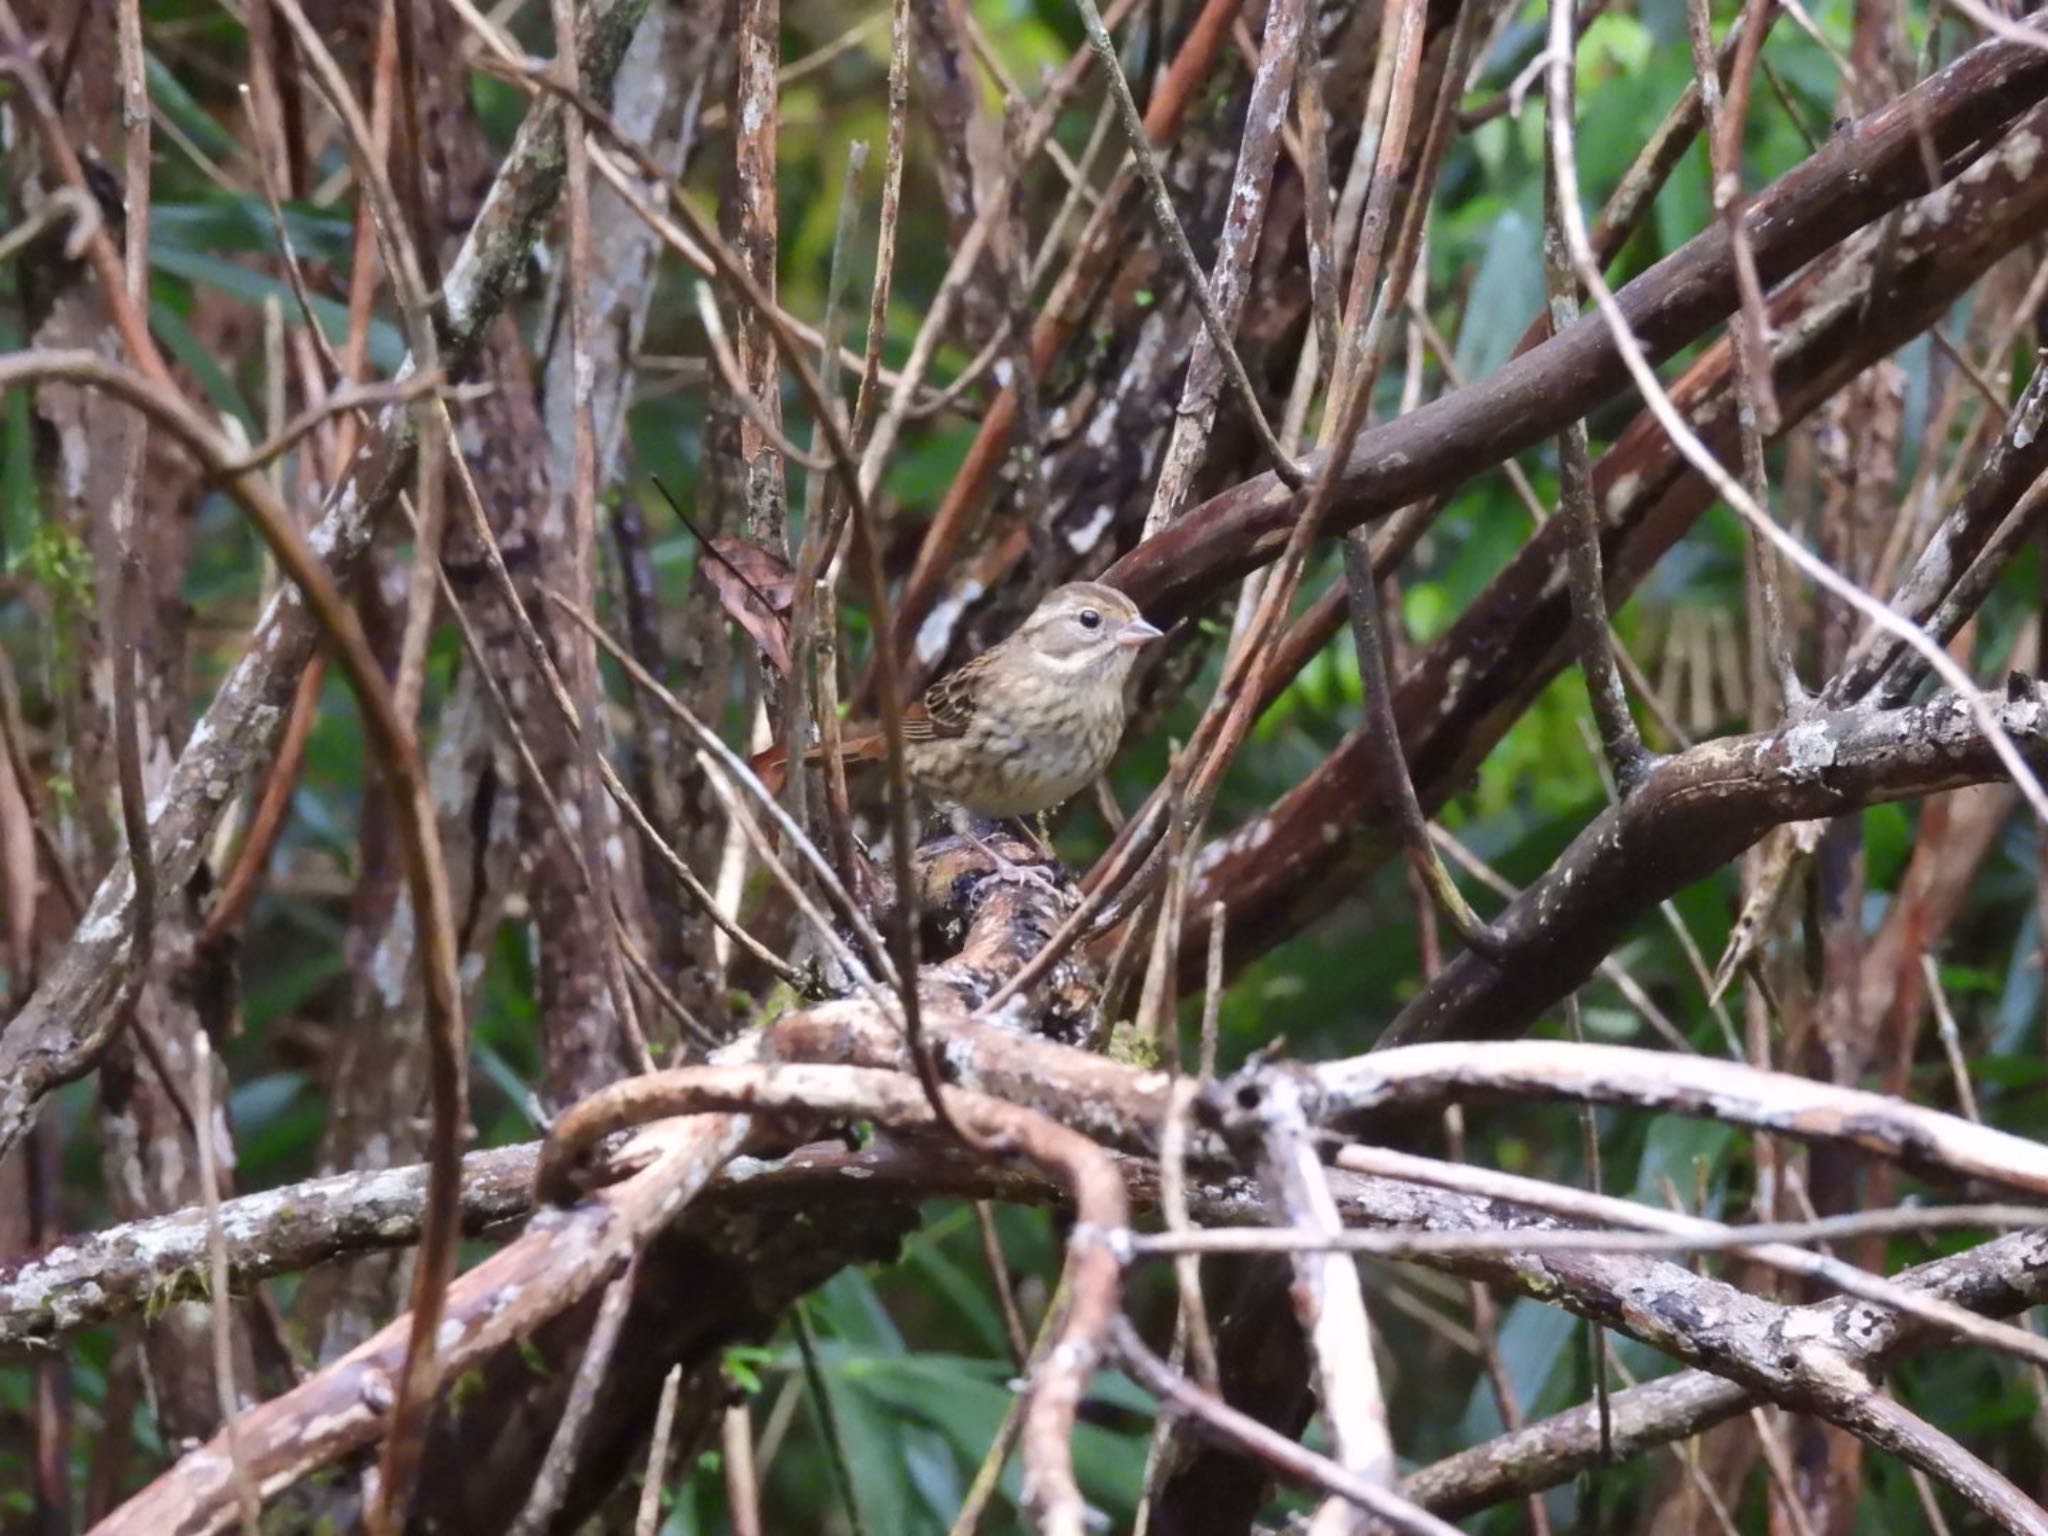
(1029, 722)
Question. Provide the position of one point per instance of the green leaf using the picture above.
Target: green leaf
(198, 359)
(178, 104)
(969, 1294)
(1506, 295)
(20, 507)
(847, 1310)
(965, 1399)
(1609, 41)
(387, 347)
(1672, 1148)
(1537, 1344)
(241, 222)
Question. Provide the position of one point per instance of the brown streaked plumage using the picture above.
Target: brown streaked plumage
(1029, 722)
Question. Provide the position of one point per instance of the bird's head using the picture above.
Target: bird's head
(1087, 629)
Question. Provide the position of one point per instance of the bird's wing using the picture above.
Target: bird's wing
(947, 706)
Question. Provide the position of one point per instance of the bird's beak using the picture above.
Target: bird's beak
(1137, 633)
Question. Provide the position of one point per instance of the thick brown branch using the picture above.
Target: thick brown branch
(1869, 168)
(1691, 815)
(107, 1274)
(1314, 844)
(1997, 1278)
(560, 1261)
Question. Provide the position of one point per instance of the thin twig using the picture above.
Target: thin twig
(1377, 692)
(804, 606)
(756, 414)
(742, 778)
(1215, 325)
(1014, 1332)
(1638, 997)
(349, 399)
(1212, 992)
(1155, 1019)
(1226, 288)
(849, 963)
(121, 590)
(1951, 1038)
(1757, 414)
(1696, 453)
(1592, 634)
(1596, 1335)
(1285, 1457)
(1646, 1229)
(1486, 1332)
(220, 1304)
(558, 1465)
(1323, 256)
(1173, 1207)
(648, 1515)
(867, 396)
(742, 1481)
(828, 1419)
(988, 1476)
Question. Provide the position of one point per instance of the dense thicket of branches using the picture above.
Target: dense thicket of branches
(1591, 467)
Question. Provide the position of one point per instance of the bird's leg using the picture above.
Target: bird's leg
(1039, 833)
(1006, 869)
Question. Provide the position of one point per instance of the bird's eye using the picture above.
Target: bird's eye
(1090, 619)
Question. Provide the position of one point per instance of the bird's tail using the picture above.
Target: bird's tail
(772, 766)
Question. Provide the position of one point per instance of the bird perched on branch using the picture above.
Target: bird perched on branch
(1025, 725)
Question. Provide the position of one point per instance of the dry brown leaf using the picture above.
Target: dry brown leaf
(757, 587)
